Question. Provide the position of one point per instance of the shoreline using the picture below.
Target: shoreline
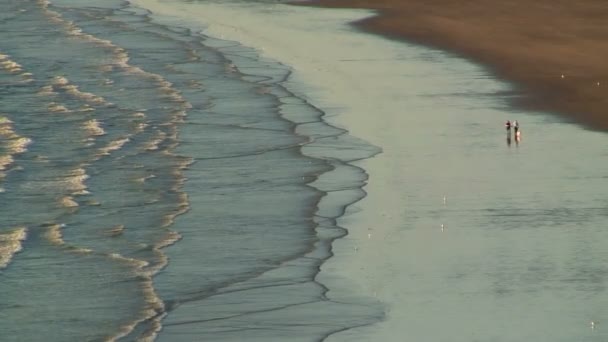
(559, 68)
(338, 185)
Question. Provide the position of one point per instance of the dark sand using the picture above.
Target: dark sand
(529, 43)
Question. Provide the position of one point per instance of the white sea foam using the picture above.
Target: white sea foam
(11, 66)
(26, 77)
(140, 127)
(113, 146)
(74, 181)
(5, 161)
(152, 144)
(154, 305)
(86, 108)
(93, 127)
(53, 234)
(142, 180)
(10, 244)
(46, 90)
(68, 202)
(60, 81)
(83, 95)
(154, 308)
(5, 120)
(54, 107)
(11, 142)
(18, 144)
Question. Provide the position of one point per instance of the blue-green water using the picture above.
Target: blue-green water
(146, 166)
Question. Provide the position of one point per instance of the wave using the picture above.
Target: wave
(54, 107)
(10, 244)
(154, 307)
(53, 234)
(11, 142)
(83, 95)
(61, 83)
(9, 65)
(68, 202)
(74, 181)
(70, 184)
(153, 144)
(93, 127)
(113, 146)
(154, 310)
(46, 90)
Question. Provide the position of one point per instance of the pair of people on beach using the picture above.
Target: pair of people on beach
(513, 124)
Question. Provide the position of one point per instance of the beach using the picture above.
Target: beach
(554, 51)
(464, 233)
(259, 171)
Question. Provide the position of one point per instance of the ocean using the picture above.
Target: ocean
(123, 139)
(255, 171)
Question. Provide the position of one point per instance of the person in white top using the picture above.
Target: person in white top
(517, 131)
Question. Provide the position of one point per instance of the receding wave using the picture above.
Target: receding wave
(75, 181)
(93, 127)
(86, 96)
(9, 65)
(54, 107)
(54, 236)
(10, 244)
(68, 202)
(72, 183)
(46, 90)
(10, 142)
(152, 144)
(113, 146)
(61, 83)
(162, 142)
(154, 307)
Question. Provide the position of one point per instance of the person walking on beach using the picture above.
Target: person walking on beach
(515, 127)
(508, 126)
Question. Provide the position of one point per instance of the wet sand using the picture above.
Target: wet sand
(553, 51)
